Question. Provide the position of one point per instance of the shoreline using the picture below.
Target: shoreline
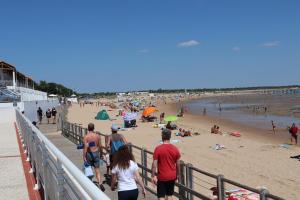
(227, 125)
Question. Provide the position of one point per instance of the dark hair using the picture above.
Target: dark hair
(122, 158)
(91, 127)
(166, 134)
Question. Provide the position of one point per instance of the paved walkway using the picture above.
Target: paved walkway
(13, 183)
(69, 149)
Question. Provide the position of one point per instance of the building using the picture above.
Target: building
(9, 76)
(16, 86)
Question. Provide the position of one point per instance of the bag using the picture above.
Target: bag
(88, 171)
(115, 145)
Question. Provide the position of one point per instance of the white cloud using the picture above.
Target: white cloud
(144, 51)
(188, 43)
(271, 44)
(236, 48)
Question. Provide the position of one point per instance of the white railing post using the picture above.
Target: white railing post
(45, 165)
(60, 180)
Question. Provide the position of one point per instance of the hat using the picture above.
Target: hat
(114, 127)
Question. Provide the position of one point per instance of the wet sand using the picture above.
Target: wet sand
(255, 159)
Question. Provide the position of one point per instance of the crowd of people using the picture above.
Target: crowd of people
(123, 171)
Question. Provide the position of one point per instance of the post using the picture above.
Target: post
(130, 147)
(45, 167)
(142, 163)
(189, 179)
(220, 186)
(263, 193)
(81, 134)
(14, 80)
(60, 180)
(181, 180)
(145, 165)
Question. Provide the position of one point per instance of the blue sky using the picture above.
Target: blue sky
(130, 45)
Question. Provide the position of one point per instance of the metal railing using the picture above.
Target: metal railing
(193, 183)
(55, 174)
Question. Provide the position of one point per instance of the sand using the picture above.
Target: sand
(255, 159)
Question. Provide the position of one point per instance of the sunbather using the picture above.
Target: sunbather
(215, 130)
(171, 126)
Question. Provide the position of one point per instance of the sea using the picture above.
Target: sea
(256, 110)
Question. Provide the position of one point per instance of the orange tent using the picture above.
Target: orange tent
(148, 111)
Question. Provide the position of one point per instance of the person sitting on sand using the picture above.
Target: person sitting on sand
(171, 126)
(215, 130)
(212, 130)
(186, 133)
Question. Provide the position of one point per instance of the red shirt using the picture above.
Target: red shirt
(294, 130)
(166, 156)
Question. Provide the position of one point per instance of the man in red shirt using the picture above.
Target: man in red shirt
(294, 133)
(165, 167)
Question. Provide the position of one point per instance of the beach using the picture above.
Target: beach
(258, 158)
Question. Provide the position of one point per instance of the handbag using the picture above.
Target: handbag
(88, 171)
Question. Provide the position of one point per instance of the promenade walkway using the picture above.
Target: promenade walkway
(13, 184)
(69, 149)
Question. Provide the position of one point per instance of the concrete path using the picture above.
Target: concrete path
(69, 149)
(13, 183)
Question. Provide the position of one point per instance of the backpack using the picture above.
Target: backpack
(115, 145)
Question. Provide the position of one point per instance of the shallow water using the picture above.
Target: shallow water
(250, 110)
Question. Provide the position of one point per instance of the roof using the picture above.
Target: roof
(9, 66)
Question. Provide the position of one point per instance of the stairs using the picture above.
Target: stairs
(7, 95)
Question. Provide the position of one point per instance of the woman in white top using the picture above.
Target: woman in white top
(125, 173)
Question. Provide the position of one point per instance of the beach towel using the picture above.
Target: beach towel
(241, 194)
(236, 134)
(172, 141)
(285, 146)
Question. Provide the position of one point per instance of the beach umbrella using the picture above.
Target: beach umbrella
(130, 116)
(148, 111)
(171, 118)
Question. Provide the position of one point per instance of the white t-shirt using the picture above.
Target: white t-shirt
(126, 179)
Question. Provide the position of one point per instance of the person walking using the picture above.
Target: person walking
(48, 115)
(294, 133)
(125, 174)
(91, 151)
(114, 142)
(40, 114)
(165, 167)
(54, 112)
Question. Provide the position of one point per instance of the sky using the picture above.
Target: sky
(125, 45)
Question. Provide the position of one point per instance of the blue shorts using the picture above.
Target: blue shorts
(93, 158)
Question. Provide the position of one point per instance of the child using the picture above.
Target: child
(107, 161)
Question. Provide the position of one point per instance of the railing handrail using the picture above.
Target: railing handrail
(218, 178)
(76, 175)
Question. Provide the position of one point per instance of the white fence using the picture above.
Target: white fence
(30, 107)
(58, 177)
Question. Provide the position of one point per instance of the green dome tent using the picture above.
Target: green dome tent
(102, 115)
